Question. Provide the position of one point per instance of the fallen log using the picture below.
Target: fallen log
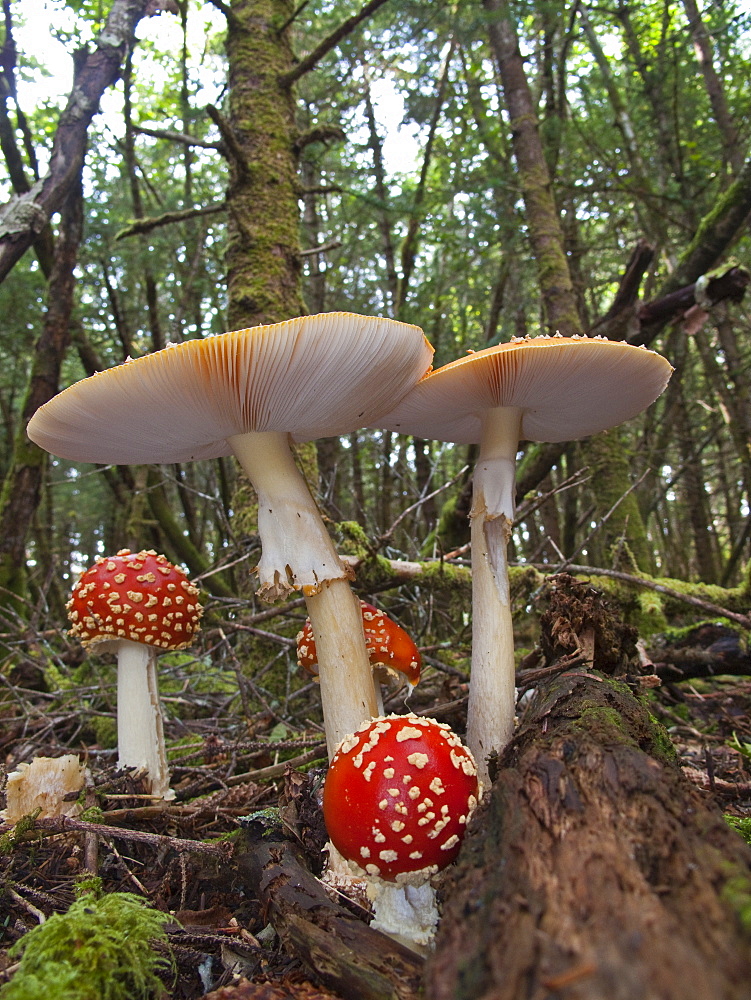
(707, 650)
(593, 868)
(338, 948)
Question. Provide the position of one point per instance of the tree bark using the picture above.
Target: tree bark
(24, 217)
(593, 868)
(338, 948)
(731, 143)
(545, 231)
(263, 239)
(21, 488)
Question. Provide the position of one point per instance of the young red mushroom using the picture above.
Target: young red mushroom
(396, 802)
(391, 649)
(133, 604)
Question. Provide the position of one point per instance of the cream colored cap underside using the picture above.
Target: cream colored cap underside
(313, 376)
(567, 388)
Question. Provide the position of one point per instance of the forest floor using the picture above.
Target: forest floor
(179, 855)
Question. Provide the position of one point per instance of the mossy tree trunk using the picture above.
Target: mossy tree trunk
(545, 232)
(593, 868)
(554, 274)
(621, 540)
(263, 243)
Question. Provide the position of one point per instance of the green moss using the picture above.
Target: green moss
(353, 540)
(604, 723)
(88, 884)
(663, 747)
(742, 824)
(650, 613)
(101, 949)
(9, 840)
(94, 814)
(105, 731)
(737, 894)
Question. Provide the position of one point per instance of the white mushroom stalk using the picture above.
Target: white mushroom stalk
(140, 729)
(534, 389)
(492, 694)
(295, 536)
(250, 393)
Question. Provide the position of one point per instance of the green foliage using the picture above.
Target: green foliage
(744, 749)
(100, 949)
(742, 824)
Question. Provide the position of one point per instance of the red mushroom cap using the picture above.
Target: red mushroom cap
(388, 645)
(139, 596)
(398, 795)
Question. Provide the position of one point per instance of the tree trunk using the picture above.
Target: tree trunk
(731, 143)
(25, 217)
(22, 485)
(263, 239)
(544, 223)
(593, 868)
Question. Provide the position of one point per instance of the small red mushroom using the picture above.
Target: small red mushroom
(139, 596)
(132, 604)
(388, 644)
(398, 795)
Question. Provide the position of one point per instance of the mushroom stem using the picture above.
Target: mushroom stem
(492, 696)
(140, 733)
(298, 554)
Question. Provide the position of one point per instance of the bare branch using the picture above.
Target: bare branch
(232, 148)
(345, 28)
(181, 137)
(140, 226)
(323, 248)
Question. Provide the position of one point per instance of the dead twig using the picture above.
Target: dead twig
(64, 824)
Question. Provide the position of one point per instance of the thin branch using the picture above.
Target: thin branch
(61, 824)
(293, 17)
(224, 8)
(232, 148)
(323, 248)
(345, 28)
(562, 567)
(140, 226)
(186, 140)
(382, 539)
(321, 133)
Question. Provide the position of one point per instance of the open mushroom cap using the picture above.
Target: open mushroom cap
(313, 376)
(566, 388)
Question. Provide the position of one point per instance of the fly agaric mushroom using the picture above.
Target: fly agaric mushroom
(133, 604)
(249, 393)
(397, 798)
(534, 389)
(390, 648)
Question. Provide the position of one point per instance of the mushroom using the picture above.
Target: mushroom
(534, 389)
(134, 604)
(396, 801)
(391, 649)
(249, 393)
(48, 786)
